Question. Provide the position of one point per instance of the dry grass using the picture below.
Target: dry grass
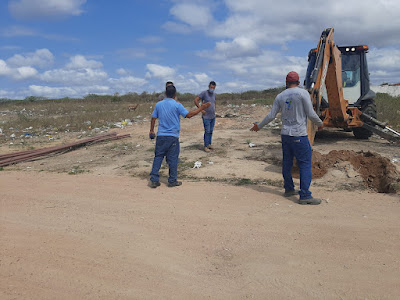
(76, 115)
(67, 115)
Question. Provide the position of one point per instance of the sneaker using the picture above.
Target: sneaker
(310, 201)
(154, 184)
(206, 149)
(176, 183)
(211, 147)
(290, 193)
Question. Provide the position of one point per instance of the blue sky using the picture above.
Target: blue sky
(70, 48)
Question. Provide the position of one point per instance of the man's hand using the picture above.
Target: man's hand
(203, 112)
(321, 127)
(255, 128)
(152, 135)
(205, 105)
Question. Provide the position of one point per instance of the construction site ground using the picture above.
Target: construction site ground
(85, 225)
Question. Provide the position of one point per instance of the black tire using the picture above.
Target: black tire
(368, 108)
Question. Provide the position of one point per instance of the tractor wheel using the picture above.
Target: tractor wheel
(370, 109)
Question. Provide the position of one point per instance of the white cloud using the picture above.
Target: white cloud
(177, 27)
(193, 14)
(239, 47)
(34, 9)
(17, 31)
(202, 78)
(159, 71)
(80, 62)
(40, 58)
(57, 92)
(269, 22)
(22, 73)
(126, 84)
(76, 77)
(4, 69)
(4, 94)
(151, 39)
(252, 28)
(122, 71)
(384, 65)
(10, 47)
(133, 53)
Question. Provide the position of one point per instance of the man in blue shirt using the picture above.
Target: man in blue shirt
(208, 96)
(168, 113)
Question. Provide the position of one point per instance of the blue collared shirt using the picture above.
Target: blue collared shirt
(168, 113)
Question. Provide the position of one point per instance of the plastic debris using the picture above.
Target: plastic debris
(197, 165)
(251, 145)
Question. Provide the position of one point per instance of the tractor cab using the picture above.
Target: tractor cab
(355, 76)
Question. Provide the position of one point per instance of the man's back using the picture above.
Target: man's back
(295, 106)
(168, 113)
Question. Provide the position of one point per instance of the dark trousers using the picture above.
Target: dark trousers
(208, 131)
(166, 146)
(297, 147)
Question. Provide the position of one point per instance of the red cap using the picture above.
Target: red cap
(292, 77)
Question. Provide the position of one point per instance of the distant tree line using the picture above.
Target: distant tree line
(152, 97)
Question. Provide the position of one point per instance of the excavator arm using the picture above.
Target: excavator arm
(328, 72)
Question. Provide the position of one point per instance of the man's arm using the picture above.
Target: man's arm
(272, 114)
(198, 110)
(197, 100)
(152, 123)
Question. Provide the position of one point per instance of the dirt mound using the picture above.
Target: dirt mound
(377, 171)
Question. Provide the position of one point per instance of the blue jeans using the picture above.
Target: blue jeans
(166, 146)
(208, 131)
(299, 147)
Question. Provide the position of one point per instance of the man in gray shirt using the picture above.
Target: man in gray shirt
(208, 96)
(295, 106)
(162, 96)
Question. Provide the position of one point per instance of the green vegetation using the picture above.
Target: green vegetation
(245, 181)
(388, 108)
(76, 170)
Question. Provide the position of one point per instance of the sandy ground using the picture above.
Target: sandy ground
(103, 234)
(100, 237)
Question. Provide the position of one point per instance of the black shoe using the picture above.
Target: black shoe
(176, 183)
(291, 193)
(154, 184)
(311, 201)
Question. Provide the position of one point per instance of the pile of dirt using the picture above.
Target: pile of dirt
(378, 172)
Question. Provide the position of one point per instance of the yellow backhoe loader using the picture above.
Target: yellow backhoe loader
(338, 82)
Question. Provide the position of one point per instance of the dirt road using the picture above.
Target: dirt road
(99, 237)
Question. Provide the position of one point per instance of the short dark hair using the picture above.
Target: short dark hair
(212, 83)
(170, 91)
(169, 83)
